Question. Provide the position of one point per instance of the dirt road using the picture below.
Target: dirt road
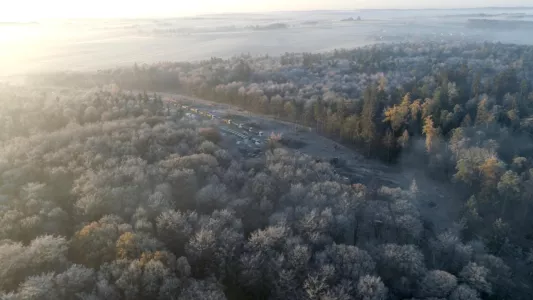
(437, 200)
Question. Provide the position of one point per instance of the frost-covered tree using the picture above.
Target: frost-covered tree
(476, 276)
(464, 292)
(437, 283)
(371, 288)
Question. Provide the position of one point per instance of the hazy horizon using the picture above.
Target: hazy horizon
(98, 9)
(91, 44)
(222, 13)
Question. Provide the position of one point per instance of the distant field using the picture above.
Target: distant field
(95, 44)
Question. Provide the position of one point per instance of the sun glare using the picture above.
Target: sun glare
(34, 10)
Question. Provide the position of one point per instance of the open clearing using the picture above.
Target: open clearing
(434, 197)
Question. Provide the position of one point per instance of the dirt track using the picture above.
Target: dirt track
(443, 209)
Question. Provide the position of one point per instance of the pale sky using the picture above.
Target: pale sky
(25, 10)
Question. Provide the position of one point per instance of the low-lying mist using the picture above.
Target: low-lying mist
(50, 45)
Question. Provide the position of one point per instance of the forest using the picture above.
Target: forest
(107, 193)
